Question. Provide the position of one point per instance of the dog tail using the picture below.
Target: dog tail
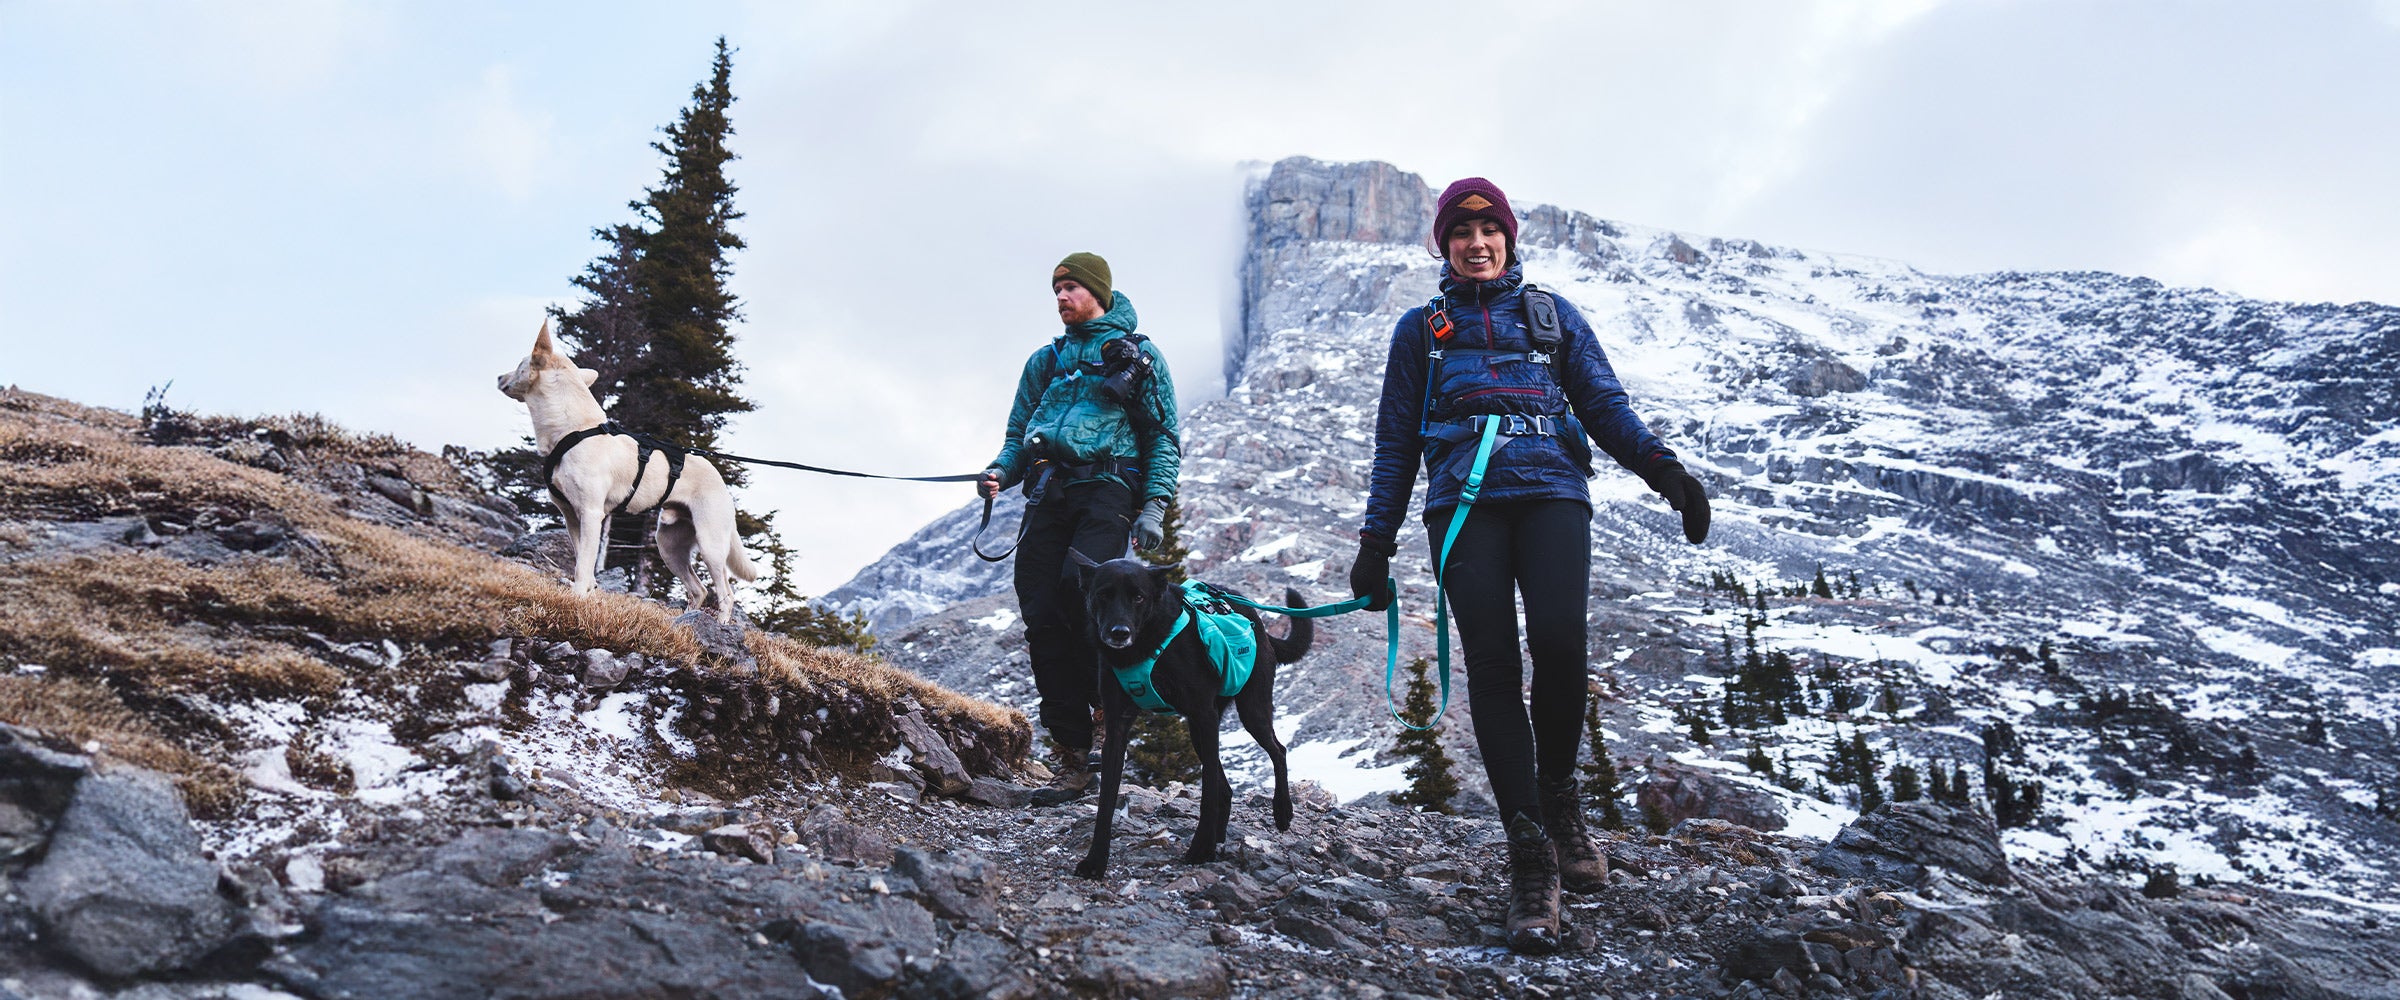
(739, 563)
(1304, 632)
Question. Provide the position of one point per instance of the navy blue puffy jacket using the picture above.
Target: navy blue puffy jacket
(1491, 315)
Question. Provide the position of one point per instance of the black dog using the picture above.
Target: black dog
(1132, 607)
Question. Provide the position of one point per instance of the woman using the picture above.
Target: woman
(1493, 354)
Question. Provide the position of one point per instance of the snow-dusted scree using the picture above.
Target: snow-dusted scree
(2152, 530)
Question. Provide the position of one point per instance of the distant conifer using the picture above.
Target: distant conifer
(1601, 790)
(1906, 786)
(1431, 783)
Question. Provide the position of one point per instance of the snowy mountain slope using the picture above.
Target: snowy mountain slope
(2189, 495)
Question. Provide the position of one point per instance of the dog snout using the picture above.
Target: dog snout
(1118, 636)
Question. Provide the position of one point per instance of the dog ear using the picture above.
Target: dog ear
(1164, 576)
(1081, 560)
(542, 344)
(586, 376)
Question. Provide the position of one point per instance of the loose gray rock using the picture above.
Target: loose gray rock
(601, 670)
(998, 794)
(735, 840)
(723, 640)
(833, 837)
(124, 888)
(940, 764)
(36, 784)
(485, 671)
(956, 887)
(1899, 840)
(1683, 792)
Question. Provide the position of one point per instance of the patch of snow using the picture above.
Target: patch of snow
(2246, 646)
(997, 621)
(1269, 549)
(614, 716)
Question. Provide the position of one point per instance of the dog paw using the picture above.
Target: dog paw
(1283, 815)
(1199, 855)
(1092, 868)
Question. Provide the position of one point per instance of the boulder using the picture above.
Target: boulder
(601, 670)
(1681, 792)
(1900, 840)
(956, 887)
(36, 784)
(829, 833)
(124, 888)
(933, 756)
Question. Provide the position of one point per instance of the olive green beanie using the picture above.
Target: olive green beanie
(1088, 270)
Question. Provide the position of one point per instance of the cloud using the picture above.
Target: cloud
(508, 145)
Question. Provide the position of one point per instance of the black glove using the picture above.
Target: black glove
(1684, 493)
(1371, 571)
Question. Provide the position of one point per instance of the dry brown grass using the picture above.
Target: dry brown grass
(155, 626)
(89, 716)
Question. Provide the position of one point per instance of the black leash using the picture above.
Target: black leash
(676, 453)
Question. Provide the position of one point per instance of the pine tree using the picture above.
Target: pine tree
(1821, 587)
(655, 311)
(682, 387)
(1758, 762)
(2049, 657)
(780, 607)
(1601, 790)
(1906, 786)
(1431, 784)
(1866, 769)
(1171, 552)
(1160, 750)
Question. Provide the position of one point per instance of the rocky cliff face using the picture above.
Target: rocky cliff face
(2185, 497)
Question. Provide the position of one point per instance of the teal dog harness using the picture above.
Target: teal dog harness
(1231, 643)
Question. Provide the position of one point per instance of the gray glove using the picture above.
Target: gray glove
(1150, 529)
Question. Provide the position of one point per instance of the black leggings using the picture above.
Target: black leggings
(1543, 549)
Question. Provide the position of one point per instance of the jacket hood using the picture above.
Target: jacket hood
(1118, 320)
(1455, 287)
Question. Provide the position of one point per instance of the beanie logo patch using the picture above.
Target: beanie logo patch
(1474, 203)
(1060, 273)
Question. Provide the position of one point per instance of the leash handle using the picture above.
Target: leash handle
(1441, 600)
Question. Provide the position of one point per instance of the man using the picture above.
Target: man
(1093, 436)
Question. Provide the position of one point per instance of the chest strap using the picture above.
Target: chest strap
(644, 447)
(1226, 635)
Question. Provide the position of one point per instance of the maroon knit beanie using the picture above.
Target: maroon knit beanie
(1471, 198)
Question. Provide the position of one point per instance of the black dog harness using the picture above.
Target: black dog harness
(644, 447)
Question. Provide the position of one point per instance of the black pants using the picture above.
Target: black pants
(1542, 549)
(1096, 518)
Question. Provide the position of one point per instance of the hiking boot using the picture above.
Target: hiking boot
(1581, 866)
(1068, 783)
(1532, 888)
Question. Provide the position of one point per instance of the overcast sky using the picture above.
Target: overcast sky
(360, 209)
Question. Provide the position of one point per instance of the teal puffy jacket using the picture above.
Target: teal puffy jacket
(1058, 398)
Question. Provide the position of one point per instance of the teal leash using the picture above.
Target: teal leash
(1441, 598)
(1391, 612)
(1391, 627)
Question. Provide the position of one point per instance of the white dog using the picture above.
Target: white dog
(598, 474)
